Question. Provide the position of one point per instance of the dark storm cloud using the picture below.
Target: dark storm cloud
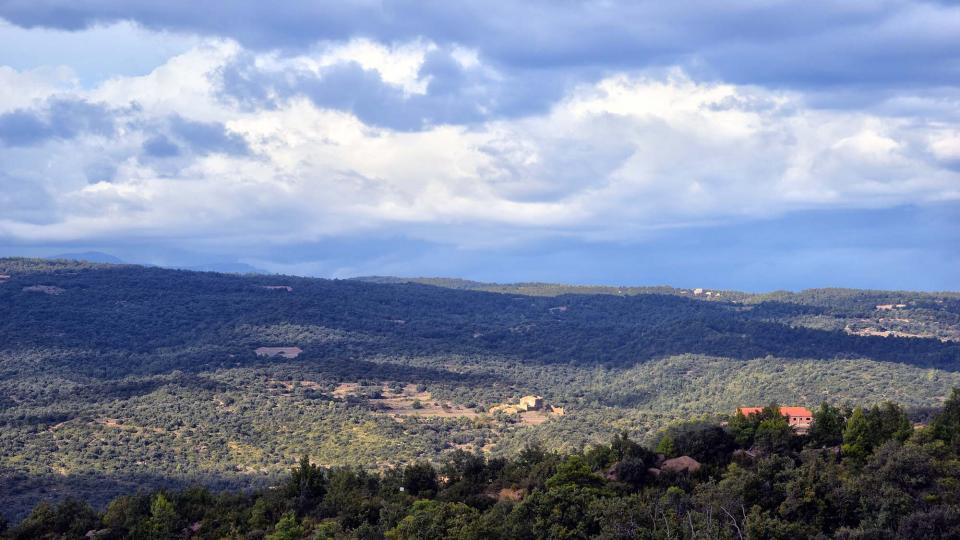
(57, 119)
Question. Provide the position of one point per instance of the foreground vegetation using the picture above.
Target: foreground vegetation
(117, 378)
(858, 474)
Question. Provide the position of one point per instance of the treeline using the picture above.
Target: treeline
(865, 473)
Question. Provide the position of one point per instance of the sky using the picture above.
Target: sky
(751, 145)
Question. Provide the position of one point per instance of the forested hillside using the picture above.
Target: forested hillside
(116, 377)
(861, 473)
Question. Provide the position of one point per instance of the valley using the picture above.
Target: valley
(129, 376)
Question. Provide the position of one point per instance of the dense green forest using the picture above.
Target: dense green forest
(861, 473)
(115, 378)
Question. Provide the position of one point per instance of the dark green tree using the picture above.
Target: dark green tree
(946, 425)
(773, 435)
(420, 479)
(163, 517)
(306, 486)
(857, 437)
(827, 428)
(287, 528)
(436, 520)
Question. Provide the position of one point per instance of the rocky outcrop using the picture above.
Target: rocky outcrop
(680, 464)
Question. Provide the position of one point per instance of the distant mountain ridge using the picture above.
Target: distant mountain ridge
(100, 257)
(556, 289)
(89, 256)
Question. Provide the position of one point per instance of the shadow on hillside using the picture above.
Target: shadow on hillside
(355, 369)
(621, 331)
(144, 311)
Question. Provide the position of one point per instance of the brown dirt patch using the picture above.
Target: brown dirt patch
(534, 418)
(345, 389)
(870, 331)
(401, 404)
(511, 494)
(285, 352)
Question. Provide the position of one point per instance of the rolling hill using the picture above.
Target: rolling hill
(117, 376)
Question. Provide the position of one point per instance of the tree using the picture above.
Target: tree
(827, 427)
(621, 518)
(773, 435)
(69, 519)
(125, 512)
(633, 471)
(574, 470)
(306, 486)
(420, 479)
(946, 425)
(623, 447)
(896, 480)
(666, 446)
(287, 528)
(857, 438)
(600, 457)
(435, 520)
(816, 493)
(704, 441)
(347, 496)
(766, 526)
(934, 524)
(889, 421)
(558, 513)
(742, 429)
(163, 517)
(466, 474)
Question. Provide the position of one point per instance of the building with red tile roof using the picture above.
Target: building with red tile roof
(799, 418)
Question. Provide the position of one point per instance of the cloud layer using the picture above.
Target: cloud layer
(487, 127)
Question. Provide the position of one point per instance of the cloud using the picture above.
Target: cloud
(532, 129)
(337, 141)
(207, 137)
(92, 54)
(20, 128)
(59, 118)
(161, 147)
(20, 89)
(408, 87)
(896, 43)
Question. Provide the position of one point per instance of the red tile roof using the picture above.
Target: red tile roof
(795, 411)
(786, 411)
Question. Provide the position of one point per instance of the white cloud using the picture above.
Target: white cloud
(184, 85)
(946, 145)
(19, 89)
(629, 153)
(398, 65)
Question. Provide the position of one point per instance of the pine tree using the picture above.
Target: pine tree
(857, 436)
